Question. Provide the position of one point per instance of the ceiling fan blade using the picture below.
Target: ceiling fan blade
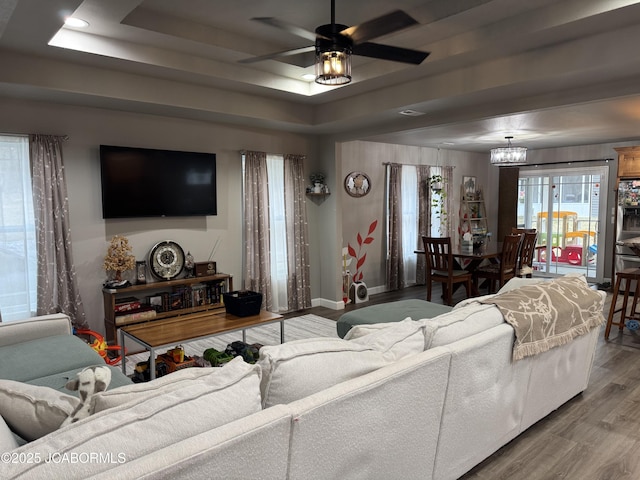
(387, 52)
(377, 27)
(285, 53)
(287, 27)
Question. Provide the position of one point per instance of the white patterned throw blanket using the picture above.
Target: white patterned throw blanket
(549, 314)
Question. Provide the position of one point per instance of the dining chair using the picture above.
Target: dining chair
(440, 268)
(527, 251)
(503, 271)
(522, 231)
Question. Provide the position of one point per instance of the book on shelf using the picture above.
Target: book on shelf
(127, 304)
(142, 313)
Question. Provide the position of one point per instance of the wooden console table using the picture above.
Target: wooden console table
(188, 328)
(111, 295)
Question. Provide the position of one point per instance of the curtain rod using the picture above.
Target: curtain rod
(415, 164)
(606, 160)
(63, 137)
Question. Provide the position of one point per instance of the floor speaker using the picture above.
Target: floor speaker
(358, 293)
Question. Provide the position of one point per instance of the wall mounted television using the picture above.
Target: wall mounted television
(142, 182)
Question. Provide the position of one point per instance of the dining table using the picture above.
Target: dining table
(469, 260)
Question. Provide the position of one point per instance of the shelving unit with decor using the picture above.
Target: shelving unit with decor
(165, 299)
(322, 195)
(473, 214)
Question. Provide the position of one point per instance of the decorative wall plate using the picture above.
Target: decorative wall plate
(357, 184)
(166, 260)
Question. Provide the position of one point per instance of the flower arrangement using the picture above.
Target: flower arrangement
(357, 276)
(118, 257)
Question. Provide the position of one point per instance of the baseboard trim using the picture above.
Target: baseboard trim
(339, 305)
(324, 302)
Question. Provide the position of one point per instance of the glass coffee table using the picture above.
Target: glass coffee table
(188, 328)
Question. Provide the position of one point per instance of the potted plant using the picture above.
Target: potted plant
(436, 183)
(317, 180)
(438, 197)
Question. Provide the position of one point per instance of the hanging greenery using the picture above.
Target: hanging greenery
(438, 197)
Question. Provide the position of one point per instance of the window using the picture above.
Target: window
(17, 231)
(277, 232)
(410, 235)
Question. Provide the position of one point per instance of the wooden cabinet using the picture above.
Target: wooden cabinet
(628, 162)
(473, 214)
(177, 297)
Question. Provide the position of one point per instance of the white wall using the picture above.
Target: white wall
(88, 128)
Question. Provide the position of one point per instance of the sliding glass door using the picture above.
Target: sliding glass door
(565, 207)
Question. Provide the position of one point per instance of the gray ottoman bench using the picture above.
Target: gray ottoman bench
(390, 312)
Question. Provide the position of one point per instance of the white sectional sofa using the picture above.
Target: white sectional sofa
(394, 411)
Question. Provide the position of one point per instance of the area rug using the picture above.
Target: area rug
(296, 328)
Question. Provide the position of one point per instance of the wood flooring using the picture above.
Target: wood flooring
(596, 435)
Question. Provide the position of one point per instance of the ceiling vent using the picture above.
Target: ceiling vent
(411, 113)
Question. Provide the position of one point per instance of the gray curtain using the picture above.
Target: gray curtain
(257, 270)
(298, 281)
(395, 265)
(57, 281)
(424, 218)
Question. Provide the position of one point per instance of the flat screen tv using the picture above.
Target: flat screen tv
(142, 182)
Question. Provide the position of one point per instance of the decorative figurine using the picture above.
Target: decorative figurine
(189, 264)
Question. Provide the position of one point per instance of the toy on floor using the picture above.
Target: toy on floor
(89, 381)
(100, 346)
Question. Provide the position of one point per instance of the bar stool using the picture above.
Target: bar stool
(628, 275)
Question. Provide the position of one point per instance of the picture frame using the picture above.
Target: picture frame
(357, 184)
(470, 187)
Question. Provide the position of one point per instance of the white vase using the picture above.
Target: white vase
(317, 188)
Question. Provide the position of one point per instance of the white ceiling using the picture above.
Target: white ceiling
(548, 72)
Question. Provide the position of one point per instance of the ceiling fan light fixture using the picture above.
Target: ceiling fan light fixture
(333, 67)
(508, 156)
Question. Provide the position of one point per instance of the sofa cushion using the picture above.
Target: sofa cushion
(297, 369)
(46, 356)
(145, 425)
(460, 323)
(517, 282)
(399, 339)
(137, 391)
(8, 440)
(42, 326)
(58, 380)
(33, 411)
(389, 312)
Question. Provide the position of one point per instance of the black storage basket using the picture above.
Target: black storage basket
(243, 303)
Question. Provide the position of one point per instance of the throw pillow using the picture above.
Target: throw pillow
(399, 339)
(358, 331)
(139, 428)
(297, 369)
(32, 411)
(517, 282)
(7, 439)
(136, 391)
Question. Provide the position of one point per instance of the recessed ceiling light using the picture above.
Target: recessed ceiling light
(309, 76)
(76, 22)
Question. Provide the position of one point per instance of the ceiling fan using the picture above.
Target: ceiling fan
(335, 37)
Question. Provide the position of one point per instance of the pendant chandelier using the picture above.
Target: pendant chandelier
(333, 62)
(509, 155)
